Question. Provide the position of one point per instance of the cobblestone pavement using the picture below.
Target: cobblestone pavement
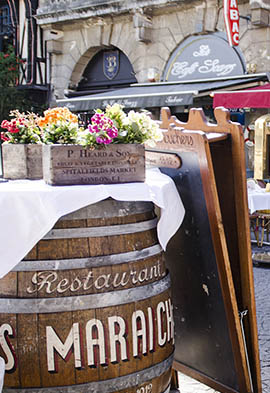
(262, 298)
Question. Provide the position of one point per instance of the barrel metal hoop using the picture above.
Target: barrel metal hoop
(82, 263)
(84, 302)
(107, 386)
(112, 230)
(110, 208)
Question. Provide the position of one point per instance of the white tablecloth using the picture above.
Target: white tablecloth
(258, 200)
(2, 373)
(30, 208)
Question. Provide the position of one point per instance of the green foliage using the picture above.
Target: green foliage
(60, 134)
(9, 67)
(10, 96)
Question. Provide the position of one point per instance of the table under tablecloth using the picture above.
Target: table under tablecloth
(30, 208)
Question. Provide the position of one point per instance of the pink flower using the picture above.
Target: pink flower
(112, 132)
(100, 139)
(91, 129)
(102, 127)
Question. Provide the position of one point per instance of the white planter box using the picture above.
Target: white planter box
(22, 161)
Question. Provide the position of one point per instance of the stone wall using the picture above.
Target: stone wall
(147, 36)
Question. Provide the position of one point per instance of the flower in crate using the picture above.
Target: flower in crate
(23, 128)
(115, 126)
(59, 126)
(102, 128)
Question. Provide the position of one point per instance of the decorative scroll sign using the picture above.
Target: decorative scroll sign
(162, 160)
(207, 56)
(231, 17)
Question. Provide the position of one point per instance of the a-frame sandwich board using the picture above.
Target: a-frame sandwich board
(209, 258)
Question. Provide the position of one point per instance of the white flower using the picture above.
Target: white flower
(82, 133)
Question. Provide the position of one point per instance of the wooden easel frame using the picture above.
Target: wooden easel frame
(241, 264)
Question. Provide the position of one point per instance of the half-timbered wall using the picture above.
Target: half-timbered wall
(18, 27)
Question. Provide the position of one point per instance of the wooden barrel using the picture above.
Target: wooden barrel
(89, 308)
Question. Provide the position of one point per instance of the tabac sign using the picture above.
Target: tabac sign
(231, 17)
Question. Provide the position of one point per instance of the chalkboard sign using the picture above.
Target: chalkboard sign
(209, 258)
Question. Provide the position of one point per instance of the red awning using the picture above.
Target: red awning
(256, 97)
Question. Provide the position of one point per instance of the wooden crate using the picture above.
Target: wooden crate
(22, 161)
(75, 164)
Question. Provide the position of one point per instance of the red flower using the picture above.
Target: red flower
(3, 137)
(6, 55)
(5, 124)
(21, 121)
(13, 129)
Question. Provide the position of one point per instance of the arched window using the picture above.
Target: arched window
(108, 69)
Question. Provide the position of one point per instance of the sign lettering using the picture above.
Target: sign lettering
(7, 331)
(178, 139)
(164, 160)
(173, 99)
(209, 66)
(49, 282)
(145, 389)
(107, 340)
(127, 103)
(118, 163)
(231, 17)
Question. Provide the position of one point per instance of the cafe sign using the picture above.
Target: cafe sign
(204, 57)
(231, 17)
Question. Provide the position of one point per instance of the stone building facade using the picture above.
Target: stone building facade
(146, 31)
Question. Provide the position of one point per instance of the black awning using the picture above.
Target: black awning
(132, 97)
(151, 95)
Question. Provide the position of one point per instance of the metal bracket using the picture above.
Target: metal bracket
(242, 314)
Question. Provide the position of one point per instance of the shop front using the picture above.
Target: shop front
(199, 66)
